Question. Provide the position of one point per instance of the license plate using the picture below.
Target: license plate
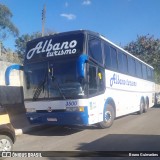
(52, 119)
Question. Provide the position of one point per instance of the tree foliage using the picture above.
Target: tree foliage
(6, 25)
(147, 48)
(21, 41)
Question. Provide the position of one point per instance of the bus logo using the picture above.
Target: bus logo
(57, 49)
(115, 79)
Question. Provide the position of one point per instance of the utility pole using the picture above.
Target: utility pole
(43, 19)
(0, 48)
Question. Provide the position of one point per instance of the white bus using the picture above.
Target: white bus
(81, 78)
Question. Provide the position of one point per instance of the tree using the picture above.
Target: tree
(147, 48)
(22, 40)
(6, 26)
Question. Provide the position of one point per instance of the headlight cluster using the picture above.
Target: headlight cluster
(75, 109)
(30, 110)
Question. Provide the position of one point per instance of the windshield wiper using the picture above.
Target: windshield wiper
(39, 88)
(59, 89)
(38, 91)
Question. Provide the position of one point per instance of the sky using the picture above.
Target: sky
(120, 21)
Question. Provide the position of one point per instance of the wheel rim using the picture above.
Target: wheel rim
(5, 145)
(107, 116)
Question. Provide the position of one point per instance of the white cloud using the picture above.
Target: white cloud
(68, 16)
(86, 2)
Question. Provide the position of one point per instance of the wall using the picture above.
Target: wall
(157, 88)
(11, 96)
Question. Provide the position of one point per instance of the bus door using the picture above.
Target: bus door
(96, 89)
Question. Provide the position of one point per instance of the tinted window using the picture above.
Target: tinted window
(131, 66)
(144, 71)
(152, 75)
(149, 73)
(125, 63)
(107, 55)
(92, 79)
(122, 62)
(95, 50)
(114, 58)
(138, 69)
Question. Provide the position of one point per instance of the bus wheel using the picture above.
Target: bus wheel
(146, 105)
(108, 117)
(142, 106)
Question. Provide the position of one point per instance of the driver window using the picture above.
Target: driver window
(96, 79)
(92, 79)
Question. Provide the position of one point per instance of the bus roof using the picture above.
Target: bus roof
(92, 33)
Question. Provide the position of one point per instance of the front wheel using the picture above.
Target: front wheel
(108, 117)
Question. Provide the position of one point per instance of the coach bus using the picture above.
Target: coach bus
(82, 78)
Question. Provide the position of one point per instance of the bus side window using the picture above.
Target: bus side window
(131, 66)
(138, 69)
(95, 50)
(96, 79)
(144, 71)
(114, 58)
(92, 79)
(101, 79)
(107, 56)
(149, 74)
(122, 62)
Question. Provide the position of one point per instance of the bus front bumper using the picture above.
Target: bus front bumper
(59, 118)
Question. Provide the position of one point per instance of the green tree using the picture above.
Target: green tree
(147, 48)
(6, 25)
(21, 41)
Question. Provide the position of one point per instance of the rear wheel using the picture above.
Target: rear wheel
(142, 106)
(146, 105)
(108, 117)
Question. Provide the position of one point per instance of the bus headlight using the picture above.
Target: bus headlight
(81, 109)
(30, 110)
(75, 109)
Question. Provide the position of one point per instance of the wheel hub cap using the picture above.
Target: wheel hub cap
(5, 145)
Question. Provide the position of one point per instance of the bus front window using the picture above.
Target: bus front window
(64, 79)
(53, 80)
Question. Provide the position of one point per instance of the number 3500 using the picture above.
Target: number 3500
(71, 103)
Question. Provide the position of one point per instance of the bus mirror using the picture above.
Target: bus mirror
(81, 65)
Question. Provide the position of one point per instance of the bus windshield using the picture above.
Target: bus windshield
(54, 80)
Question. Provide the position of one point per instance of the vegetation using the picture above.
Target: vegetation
(21, 42)
(6, 25)
(147, 48)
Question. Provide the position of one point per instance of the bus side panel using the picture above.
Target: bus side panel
(127, 91)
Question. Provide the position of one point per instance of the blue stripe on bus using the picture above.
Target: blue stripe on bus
(63, 118)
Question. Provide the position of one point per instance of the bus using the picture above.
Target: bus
(82, 78)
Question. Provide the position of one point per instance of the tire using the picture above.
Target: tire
(108, 117)
(142, 106)
(6, 143)
(146, 105)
